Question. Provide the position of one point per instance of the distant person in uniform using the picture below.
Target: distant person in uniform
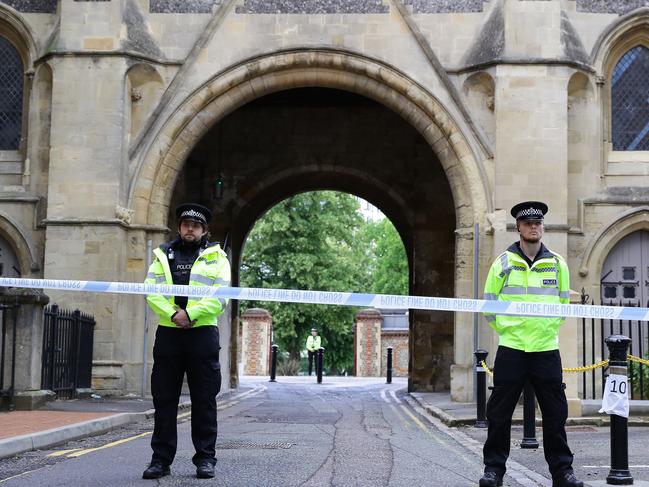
(528, 348)
(313, 343)
(187, 341)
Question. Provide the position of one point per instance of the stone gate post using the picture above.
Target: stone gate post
(368, 343)
(29, 346)
(257, 326)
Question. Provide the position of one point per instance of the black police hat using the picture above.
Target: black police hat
(193, 211)
(529, 210)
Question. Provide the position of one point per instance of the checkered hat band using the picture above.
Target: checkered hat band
(193, 214)
(530, 212)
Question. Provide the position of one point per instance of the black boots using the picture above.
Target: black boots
(491, 479)
(567, 479)
(156, 470)
(205, 470)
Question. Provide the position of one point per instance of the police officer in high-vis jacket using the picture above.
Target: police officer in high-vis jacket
(528, 348)
(187, 341)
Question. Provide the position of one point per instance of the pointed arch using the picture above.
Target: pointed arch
(23, 246)
(159, 165)
(610, 234)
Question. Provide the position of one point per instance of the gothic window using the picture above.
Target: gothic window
(11, 96)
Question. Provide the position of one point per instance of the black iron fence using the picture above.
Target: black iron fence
(593, 350)
(8, 351)
(67, 351)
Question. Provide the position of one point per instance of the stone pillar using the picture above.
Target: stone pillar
(368, 343)
(569, 347)
(257, 325)
(29, 346)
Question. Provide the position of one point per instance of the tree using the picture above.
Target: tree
(389, 264)
(310, 241)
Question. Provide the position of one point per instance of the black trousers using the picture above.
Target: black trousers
(312, 356)
(512, 369)
(196, 353)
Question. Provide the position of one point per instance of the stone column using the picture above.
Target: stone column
(368, 343)
(29, 346)
(257, 325)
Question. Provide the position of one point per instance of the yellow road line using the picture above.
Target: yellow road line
(77, 452)
(401, 417)
(60, 453)
(440, 439)
(108, 445)
(417, 421)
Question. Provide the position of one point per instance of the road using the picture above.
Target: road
(344, 432)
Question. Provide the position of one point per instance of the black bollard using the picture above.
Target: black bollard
(388, 370)
(273, 363)
(529, 418)
(319, 364)
(619, 473)
(481, 392)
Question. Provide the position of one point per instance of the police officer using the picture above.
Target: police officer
(528, 348)
(313, 343)
(187, 341)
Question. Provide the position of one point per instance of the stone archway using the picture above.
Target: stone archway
(159, 165)
(164, 161)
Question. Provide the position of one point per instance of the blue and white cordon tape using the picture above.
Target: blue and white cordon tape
(341, 299)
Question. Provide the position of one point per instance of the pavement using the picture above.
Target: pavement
(66, 420)
(439, 405)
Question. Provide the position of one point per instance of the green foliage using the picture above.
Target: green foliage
(389, 264)
(636, 371)
(320, 241)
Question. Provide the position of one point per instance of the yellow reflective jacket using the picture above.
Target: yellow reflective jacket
(313, 343)
(211, 268)
(512, 279)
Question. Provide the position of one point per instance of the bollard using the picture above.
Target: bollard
(619, 473)
(529, 418)
(273, 363)
(388, 370)
(319, 364)
(481, 391)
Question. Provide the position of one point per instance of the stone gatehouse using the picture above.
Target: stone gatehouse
(441, 113)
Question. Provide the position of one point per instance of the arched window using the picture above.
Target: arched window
(11, 96)
(630, 101)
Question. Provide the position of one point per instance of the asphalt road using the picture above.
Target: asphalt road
(345, 432)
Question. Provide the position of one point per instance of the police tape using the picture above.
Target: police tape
(382, 301)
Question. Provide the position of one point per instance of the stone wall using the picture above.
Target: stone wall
(398, 340)
(512, 98)
(372, 342)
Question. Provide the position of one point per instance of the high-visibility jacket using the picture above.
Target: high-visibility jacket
(211, 268)
(512, 279)
(313, 343)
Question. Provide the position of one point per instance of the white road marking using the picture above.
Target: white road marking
(384, 397)
(21, 474)
(394, 395)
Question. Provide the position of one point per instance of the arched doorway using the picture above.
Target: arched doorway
(324, 240)
(314, 138)
(430, 227)
(625, 274)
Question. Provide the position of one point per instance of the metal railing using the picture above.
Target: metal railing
(67, 351)
(593, 350)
